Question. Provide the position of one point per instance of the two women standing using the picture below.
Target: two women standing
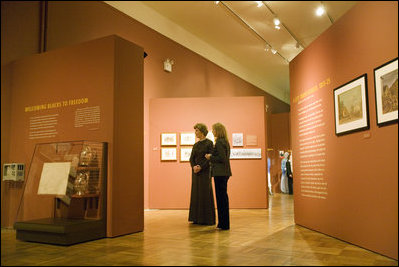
(218, 158)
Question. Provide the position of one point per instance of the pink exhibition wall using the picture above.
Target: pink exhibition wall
(49, 85)
(346, 186)
(170, 182)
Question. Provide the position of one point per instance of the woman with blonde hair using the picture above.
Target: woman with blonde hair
(221, 171)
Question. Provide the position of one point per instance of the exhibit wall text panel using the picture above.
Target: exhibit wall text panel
(346, 182)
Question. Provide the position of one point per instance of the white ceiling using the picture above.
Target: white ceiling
(233, 34)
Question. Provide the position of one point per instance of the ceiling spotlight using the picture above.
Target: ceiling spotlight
(277, 27)
(274, 51)
(320, 11)
(276, 21)
(259, 3)
(267, 47)
(217, 2)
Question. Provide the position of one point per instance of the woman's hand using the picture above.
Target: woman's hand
(197, 168)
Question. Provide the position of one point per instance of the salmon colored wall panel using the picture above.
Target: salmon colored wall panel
(53, 78)
(126, 201)
(170, 182)
(360, 170)
(88, 71)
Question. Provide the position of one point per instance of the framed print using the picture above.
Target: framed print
(351, 106)
(168, 153)
(238, 139)
(386, 92)
(185, 153)
(187, 139)
(168, 139)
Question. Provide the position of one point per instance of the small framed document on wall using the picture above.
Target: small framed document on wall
(168, 139)
(185, 153)
(238, 139)
(168, 154)
(187, 139)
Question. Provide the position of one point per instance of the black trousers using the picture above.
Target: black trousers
(290, 186)
(222, 202)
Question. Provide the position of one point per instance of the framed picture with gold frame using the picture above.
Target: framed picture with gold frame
(386, 92)
(168, 139)
(351, 106)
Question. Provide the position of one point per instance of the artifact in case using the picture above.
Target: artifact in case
(65, 194)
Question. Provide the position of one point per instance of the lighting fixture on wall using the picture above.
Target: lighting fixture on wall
(274, 51)
(167, 65)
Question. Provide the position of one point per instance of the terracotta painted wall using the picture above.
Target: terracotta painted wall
(73, 22)
(100, 72)
(170, 182)
(359, 202)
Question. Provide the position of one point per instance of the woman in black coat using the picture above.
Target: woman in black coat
(202, 206)
(221, 171)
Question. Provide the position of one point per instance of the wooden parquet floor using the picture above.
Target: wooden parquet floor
(258, 237)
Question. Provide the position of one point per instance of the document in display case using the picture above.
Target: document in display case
(64, 199)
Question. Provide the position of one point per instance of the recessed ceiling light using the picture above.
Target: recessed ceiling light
(259, 3)
(276, 21)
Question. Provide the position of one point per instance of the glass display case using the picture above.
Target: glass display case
(64, 199)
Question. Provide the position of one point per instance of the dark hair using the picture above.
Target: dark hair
(202, 128)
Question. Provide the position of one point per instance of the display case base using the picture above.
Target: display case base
(60, 231)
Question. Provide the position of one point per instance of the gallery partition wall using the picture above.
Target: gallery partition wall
(346, 164)
(90, 91)
(170, 177)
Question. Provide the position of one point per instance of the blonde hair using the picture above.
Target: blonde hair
(220, 131)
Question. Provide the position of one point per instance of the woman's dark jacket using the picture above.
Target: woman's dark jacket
(220, 159)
